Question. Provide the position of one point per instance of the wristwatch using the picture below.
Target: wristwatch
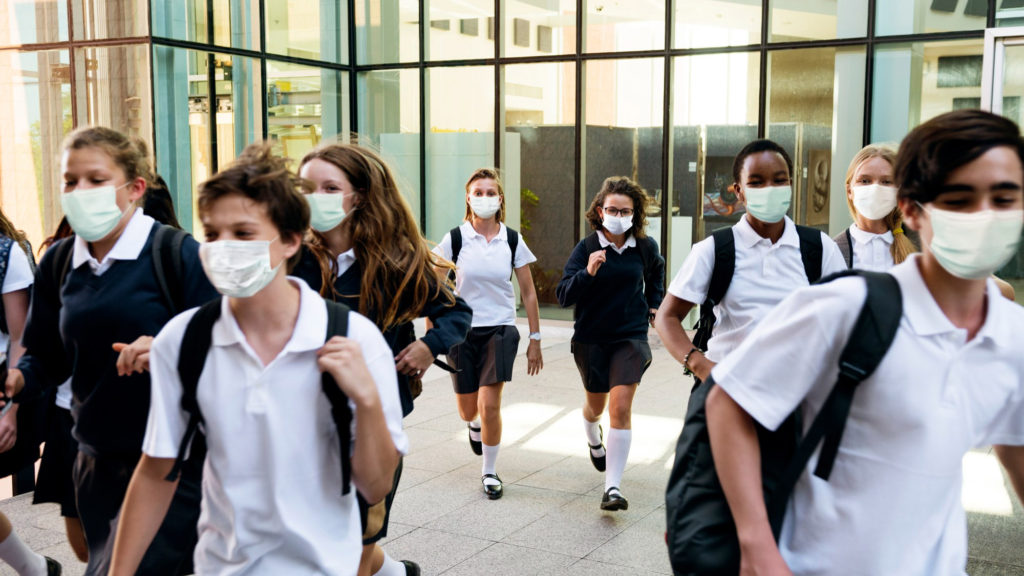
(535, 336)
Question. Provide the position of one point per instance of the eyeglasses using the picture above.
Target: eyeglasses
(616, 212)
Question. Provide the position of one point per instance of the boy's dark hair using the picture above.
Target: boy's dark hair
(625, 187)
(935, 149)
(755, 147)
(264, 178)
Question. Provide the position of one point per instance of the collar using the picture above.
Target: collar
(345, 260)
(127, 247)
(748, 237)
(310, 328)
(630, 241)
(865, 237)
(469, 232)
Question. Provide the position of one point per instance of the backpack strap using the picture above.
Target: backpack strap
(591, 243)
(513, 245)
(721, 277)
(456, 237)
(872, 335)
(195, 345)
(810, 251)
(845, 243)
(5, 255)
(337, 325)
(168, 266)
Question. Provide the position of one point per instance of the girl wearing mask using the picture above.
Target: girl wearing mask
(615, 278)
(483, 276)
(366, 251)
(96, 325)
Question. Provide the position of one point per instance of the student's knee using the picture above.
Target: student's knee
(467, 404)
(619, 415)
(490, 406)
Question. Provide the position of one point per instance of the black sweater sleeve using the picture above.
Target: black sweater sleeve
(575, 278)
(654, 277)
(45, 363)
(451, 323)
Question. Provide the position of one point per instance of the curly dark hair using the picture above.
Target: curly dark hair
(625, 187)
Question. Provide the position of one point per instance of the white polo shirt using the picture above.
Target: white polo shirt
(272, 500)
(892, 503)
(19, 277)
(871, 251)
(765, 273)
(127, 247)
(483, 273)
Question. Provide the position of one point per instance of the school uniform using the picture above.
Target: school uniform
(892, 504)
(764, 275)
(69, 333)
(483, 277)
(609, 341)
(871, 251)
(272, 501)
(18, 277)
(54, 479)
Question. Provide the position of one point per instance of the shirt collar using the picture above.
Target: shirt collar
(127, 247)
(345, 260)
(865, 237)
(310, 328)
(630, 241)
(469, 232)
(748, 237)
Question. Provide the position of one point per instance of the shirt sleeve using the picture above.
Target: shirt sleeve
(692, 281)
(381, 363)
(832, 260)
(19, 272)
(793, 352)
(444, 248)
(166, 425)
(523, 254)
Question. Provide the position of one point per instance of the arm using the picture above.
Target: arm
(16, 309)
(576, 277)
(44, 363)
(1012, 458)
(534, 357)
(669, 324)
(447, 325)
(145, 505)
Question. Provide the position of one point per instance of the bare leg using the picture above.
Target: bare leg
(490, 413)
(76, 538)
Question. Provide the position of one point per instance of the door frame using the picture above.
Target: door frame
(996, 41)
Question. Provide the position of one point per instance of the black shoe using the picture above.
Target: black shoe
(411, 568)
(613, 500)
(53, 568)
(476, 445)
(493, 491)
(598, 461)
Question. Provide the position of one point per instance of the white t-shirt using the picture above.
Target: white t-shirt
(765, 273)
(871, 251)
(272, 500)
(19, 277)
(483, 274)
(892, 503)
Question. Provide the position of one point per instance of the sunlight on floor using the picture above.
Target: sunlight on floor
(984, 490)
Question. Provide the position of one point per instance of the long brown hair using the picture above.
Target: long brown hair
(7, 229)
(901, 245)
(399, 272)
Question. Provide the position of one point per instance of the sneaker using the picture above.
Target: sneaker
(411, 568)
(613, 500)
(598, 461)
(476, 445)
(53, 568)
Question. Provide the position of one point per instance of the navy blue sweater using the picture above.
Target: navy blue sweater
(451, 323)
(75, 340)
(613, 305)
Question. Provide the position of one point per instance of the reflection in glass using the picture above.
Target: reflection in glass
(928, 16)
(312, 30)
(35, 115)
(239, 110)
(535, 28)
(712, 23)
(180, 20)
(389, 121)
(799, 20)
(112, 89)
(622, 26)
(387, 31)
(101, 19)
(31, 22)
(236, 23)
(304, 106)
(460, 29)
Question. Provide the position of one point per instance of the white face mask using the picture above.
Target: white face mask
(92, 212)
(874, 201)
(238, 268)
(485, 206)
(326, 211)
(768, 204)
(617, 225)
(973, 245)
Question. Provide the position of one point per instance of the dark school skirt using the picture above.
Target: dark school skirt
(54, 482)
(484, 358)
(603, 366)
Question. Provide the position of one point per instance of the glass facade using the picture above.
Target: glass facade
(558, 94)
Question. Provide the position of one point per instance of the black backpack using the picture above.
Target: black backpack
(6, 244)
(195, 344)
(725, 265)
(701, 535)
(513, 244)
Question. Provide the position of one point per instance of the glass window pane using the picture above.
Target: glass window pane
(797, 20)
(236, 23)
(460, 139)
(536, 28)
(538, 156)
(460, 29)
(387, 31)
(305, 105)
(239, 113)
(31, 22)
(815, 111)
(112, 89)
(926, 16)
(303, 29)
(389, 120)
(180, 20)
(711, 23)
(100, 19)
(622, 26)
(35, 115)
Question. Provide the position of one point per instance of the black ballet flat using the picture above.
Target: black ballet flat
(493, 491)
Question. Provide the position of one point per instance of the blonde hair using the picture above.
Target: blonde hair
(901, 245)
(484, 174)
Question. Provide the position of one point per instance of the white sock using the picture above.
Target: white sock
(618, 451)
(20, 558)
(390, 567)
(593, 430)
(474, 429)
(490, 459)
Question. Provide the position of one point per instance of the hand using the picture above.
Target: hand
(342, 358)
(534, 358)
(414, 359)
(596, 259)
(133, 357)
(15, 383)
(763, 561)
(701, 366)
(9, 429)
(651, 314)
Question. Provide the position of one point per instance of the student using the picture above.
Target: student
(615, 277)
(92, 319)
(952, 380)
(366, 251)
(483, 276)
(769, 262)
(272, 488)
(876, 240)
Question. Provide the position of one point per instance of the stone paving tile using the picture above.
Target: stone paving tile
(435, 551)
(586, 567)
(635, 548)
(577, 528)
(494, 520)
(506, 560)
